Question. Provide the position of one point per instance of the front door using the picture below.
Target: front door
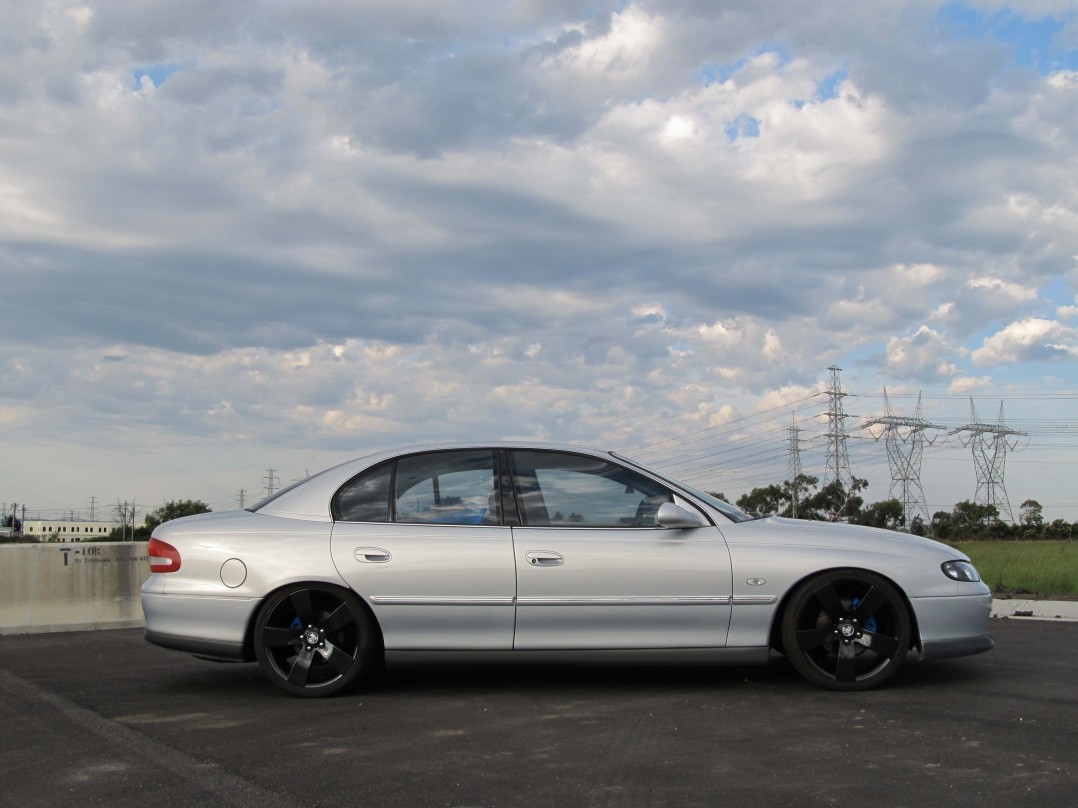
(593, 569)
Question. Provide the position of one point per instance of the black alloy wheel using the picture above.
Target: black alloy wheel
(314, 640)
(846, 630)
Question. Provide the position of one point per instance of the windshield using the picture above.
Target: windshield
(723, 507)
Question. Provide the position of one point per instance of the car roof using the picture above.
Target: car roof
(310, 498)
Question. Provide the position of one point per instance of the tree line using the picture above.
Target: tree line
(802, 499)
(173, 509)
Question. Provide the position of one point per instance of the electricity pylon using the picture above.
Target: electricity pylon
(905, 440)
(990, 444)
(838, 460)
(793, 472)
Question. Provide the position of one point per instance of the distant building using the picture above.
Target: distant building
(67, 530)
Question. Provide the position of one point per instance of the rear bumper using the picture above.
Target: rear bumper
(209, 649)
(212, 627)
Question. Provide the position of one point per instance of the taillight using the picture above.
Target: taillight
(163, 556)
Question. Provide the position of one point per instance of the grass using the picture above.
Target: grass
(1042, 568)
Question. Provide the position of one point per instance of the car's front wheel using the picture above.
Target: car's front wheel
(314, 640)
(846, 630)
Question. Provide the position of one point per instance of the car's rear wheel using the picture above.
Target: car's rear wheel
(846, 630)
(314, 640)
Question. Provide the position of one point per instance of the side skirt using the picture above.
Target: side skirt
(647, 656)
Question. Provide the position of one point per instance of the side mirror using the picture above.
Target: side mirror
(674, 517)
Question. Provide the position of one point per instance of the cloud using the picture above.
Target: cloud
(254, 225)
(926, 354)
(1029, 340)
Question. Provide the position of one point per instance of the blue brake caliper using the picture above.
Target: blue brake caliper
(297, 624)
(870, 624)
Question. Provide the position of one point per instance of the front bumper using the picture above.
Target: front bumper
(954, 626)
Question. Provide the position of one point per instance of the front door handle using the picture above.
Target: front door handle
(372, 555)
(544, 558)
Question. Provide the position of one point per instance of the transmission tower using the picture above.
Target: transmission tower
(838, 460)
(270, 481)
(905, 440)
(793, 472)
(990, 444)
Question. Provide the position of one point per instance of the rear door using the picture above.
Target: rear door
(593, 569)
(419, 538)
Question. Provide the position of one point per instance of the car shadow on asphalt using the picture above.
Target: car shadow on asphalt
(461, 680)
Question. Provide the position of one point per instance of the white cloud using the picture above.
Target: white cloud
(1032, 339)
(341, 226)
(1012, 293)
(924, 354)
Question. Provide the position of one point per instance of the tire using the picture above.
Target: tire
(846, 630)
(315, 640)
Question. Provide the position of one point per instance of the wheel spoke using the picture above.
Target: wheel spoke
(338, 659)
(301, 668)
(870, 604)
(812, 638)
(829, 599)
(845, 667)
(880, 643)
(277, 637)
(340, 618)
(301, 602)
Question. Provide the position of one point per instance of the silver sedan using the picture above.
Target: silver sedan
(538, 552)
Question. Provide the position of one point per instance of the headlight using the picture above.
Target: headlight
(961, 571)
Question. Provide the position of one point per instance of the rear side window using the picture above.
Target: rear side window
(447, 488)
(366, 498)
(439, 488)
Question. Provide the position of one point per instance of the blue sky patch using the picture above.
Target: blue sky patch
(1034, 42)
(743, 125)
(827, 87)
(718, 73)
(157, 73)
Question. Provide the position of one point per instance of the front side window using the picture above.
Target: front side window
(565, 490)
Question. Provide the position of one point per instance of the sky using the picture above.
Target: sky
(245, 236)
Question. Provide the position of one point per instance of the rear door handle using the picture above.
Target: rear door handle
(372, 555)
(544, 558)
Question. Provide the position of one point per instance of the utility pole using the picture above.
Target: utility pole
(838, 460)
(989, 444)
(898, 432)
(242, 496)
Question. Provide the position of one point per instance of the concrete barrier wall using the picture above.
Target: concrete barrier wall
(69, 587)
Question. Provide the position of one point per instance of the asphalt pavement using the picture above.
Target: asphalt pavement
(103, 718)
